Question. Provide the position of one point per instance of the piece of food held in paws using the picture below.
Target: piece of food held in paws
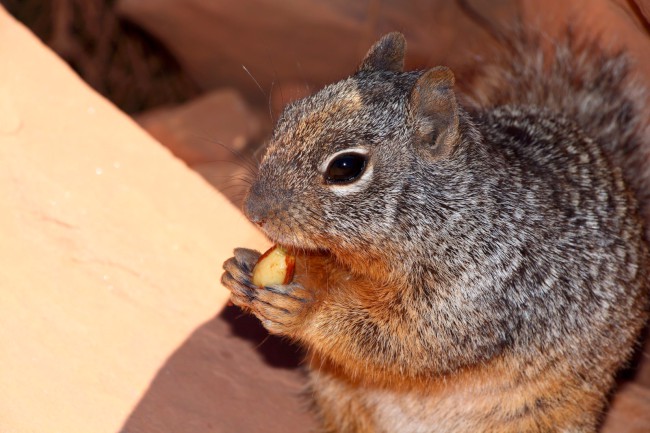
(275, 266)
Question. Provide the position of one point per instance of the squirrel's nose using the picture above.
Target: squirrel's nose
(264, 202)
(257, 205)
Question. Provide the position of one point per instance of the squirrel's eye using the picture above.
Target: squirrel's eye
(345, 168)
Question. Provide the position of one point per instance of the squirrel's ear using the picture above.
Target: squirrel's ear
(435, 111)
(386, 55)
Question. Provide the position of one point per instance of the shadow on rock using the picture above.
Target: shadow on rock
(229, 375)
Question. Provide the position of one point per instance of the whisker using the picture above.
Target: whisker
(218, 162)
(270, 101)
(282, 97)
(226, 188)
(254, 80)
(251, 164)
(266, 338)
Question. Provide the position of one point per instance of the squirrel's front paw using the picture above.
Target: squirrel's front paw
(238, 276)
(279, 307)
(282, 307)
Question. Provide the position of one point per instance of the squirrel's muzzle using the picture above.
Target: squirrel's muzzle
(261, 204)
(255, 207)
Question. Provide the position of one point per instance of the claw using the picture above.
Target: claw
(247, 258)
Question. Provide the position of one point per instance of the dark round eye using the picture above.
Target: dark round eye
(345, 168)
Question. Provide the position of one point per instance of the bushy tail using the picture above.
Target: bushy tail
(583, 81)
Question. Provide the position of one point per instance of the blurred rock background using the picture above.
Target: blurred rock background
(207, 78)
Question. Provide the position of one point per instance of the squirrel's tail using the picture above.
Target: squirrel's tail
(583, 81)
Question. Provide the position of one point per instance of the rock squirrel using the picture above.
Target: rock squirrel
(465, 263)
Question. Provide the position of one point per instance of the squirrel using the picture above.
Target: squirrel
(464, 262)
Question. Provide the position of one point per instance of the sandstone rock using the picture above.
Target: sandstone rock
(111, 249)
(229, 177)
(215, 134)
(228, 376)
(262, 43)
(308, 42)
(214, 127)
(630, 411)
(644, 8)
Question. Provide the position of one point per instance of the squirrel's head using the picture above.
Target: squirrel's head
(336, 169)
